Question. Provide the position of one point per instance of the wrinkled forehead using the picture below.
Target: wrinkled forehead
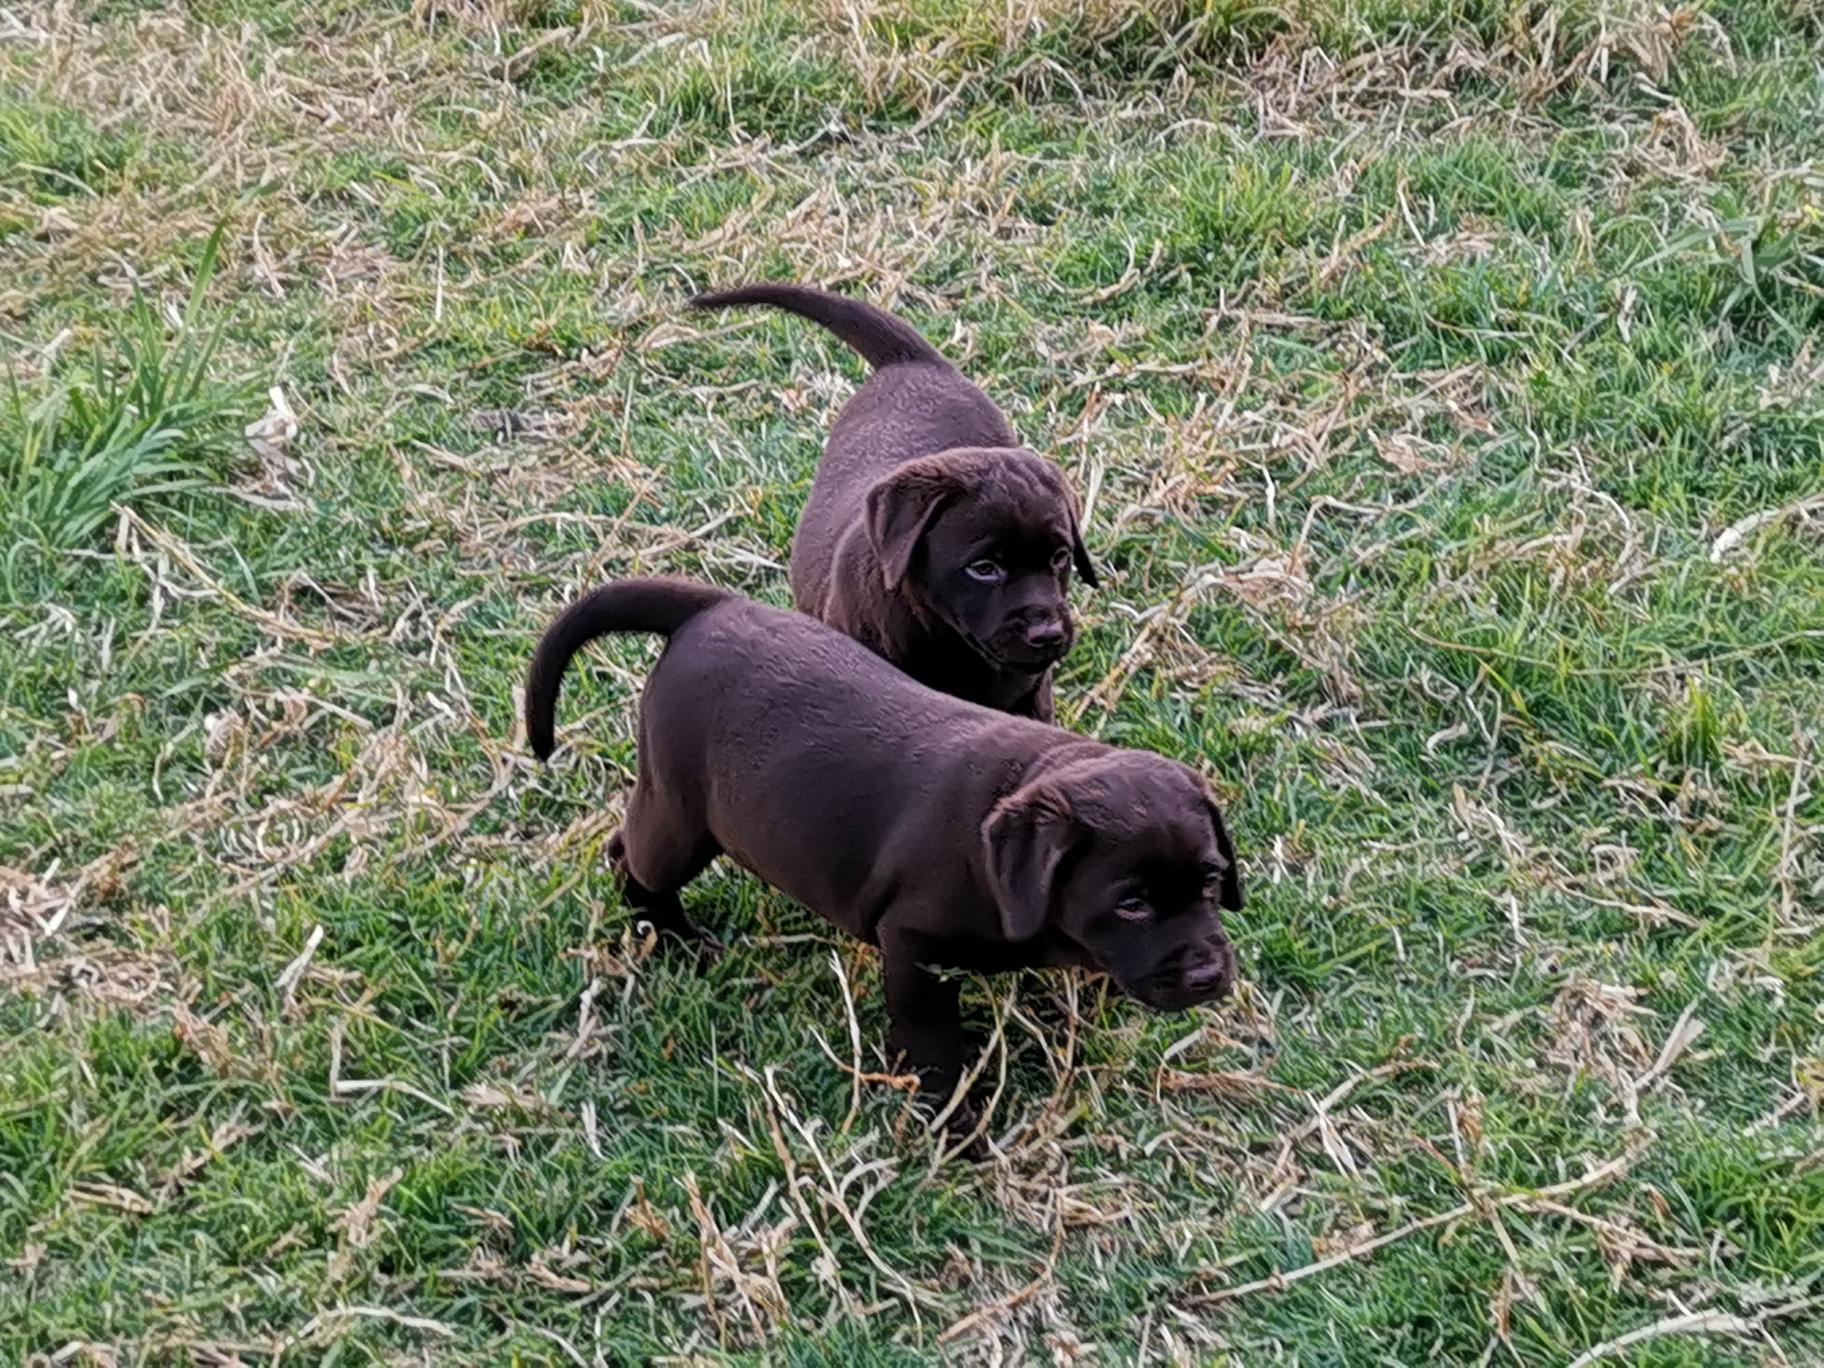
(1009, 528)
(1148, 807)
(1015, 514)
(1016, 483)
(1179, 845)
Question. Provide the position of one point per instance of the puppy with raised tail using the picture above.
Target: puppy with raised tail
(947, 834)
(931, 535)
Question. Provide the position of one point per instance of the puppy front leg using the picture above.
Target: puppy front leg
(926, 1018)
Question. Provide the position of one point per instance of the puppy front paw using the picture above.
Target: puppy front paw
(709, 951)
(965, 1137)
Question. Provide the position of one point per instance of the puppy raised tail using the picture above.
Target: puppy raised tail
(631, 605)
(879, 337)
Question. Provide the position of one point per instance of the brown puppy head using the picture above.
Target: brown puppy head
(985, 539)
(1125, 855)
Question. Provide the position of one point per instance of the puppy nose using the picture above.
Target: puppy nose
(1045, 636)
(1211, 978)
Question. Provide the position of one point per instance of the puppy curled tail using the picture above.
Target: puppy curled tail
(632, 605)
(879, 337)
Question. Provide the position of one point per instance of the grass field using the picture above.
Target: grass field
(1444, 383)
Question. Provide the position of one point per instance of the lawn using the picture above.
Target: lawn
(1443, 381)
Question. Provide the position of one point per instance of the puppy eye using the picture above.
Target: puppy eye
(1133, 909)
(1212, 880)
(1060, 558)
(987, 571)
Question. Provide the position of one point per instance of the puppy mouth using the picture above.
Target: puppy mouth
(1178, 992)
(1021, 658)
(1032, 664)
(1180, 999)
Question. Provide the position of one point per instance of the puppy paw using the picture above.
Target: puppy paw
(705, 950)
(708, 951)
(964, 1136)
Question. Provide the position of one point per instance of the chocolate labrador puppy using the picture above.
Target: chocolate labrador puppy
(947, 834)
(930, 535)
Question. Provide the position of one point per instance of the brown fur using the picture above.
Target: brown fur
(945, 833)
(922, 484)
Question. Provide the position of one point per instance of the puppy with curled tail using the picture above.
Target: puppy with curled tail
(931, 535)
(947, 834)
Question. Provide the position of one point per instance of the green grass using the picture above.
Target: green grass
(1445, 380)
(145, 421)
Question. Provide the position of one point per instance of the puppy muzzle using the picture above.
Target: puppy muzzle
(1206, 977)
(1032, 645)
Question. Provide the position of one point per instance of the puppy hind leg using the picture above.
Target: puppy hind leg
(653, 860)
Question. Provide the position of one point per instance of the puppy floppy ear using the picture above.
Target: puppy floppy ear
(1079, 554)
(1231, 873)
(900, 508)
(1024, 841)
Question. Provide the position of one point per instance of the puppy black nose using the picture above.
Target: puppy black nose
(1045, 636)
(1212, 978)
